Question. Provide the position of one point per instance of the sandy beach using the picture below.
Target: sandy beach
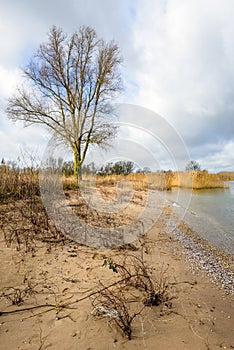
(57, 286)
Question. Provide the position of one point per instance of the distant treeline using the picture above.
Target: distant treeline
(111, 168)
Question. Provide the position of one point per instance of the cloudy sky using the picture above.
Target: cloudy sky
(178, 62)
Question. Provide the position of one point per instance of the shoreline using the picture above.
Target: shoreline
(212, 222)
(203, 256)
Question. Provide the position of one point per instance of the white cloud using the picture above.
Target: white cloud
(186, 54)
(220, 160)
(9, 78)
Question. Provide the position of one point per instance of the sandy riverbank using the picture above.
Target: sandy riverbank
(197, 315)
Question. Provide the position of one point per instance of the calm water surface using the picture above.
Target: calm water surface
(210, 213)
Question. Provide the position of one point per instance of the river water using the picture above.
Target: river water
(210, 213)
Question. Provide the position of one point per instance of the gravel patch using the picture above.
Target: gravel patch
(201, 256)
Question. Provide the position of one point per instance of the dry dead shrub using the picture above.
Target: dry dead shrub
(136, 284)
(134, 272)
(114, 305)
(17, 295)
(29, 289)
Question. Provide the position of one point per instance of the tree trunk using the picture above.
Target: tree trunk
(77, 164)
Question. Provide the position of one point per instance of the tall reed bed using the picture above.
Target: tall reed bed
(16, 183)
(199, 180)
(23, 219)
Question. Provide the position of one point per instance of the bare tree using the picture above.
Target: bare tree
(70, 82)
(193, 165)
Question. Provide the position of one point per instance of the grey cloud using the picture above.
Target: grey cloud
(186, 71)
(24, 24)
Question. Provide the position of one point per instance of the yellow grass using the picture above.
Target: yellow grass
(158, 181)
(227, 176)
(199, 180)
